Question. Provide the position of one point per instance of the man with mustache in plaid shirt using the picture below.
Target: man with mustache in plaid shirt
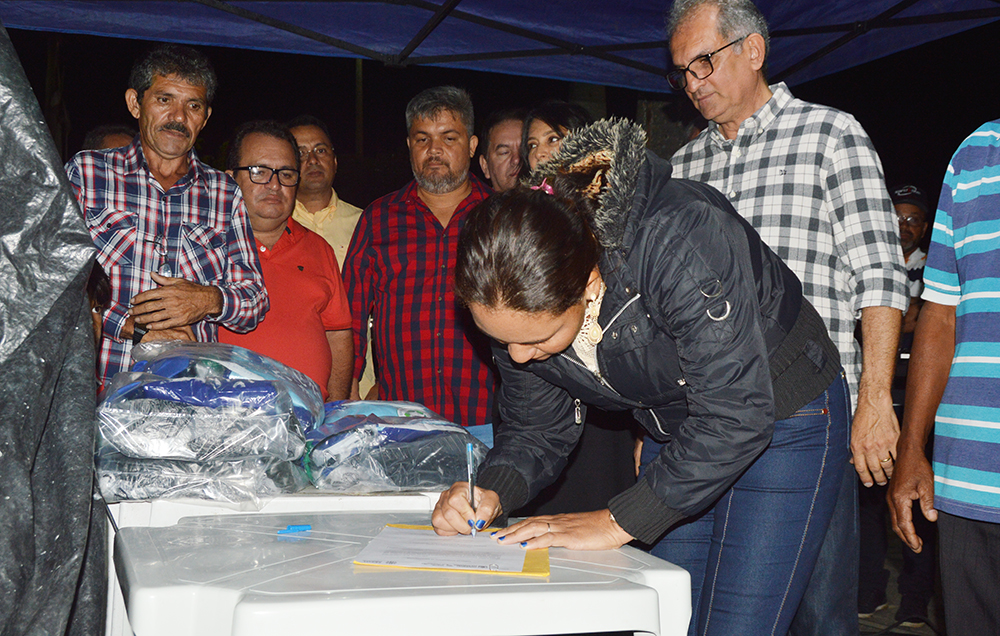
(172, 233)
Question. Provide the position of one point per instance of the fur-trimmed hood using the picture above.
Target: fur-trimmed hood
(625, 141)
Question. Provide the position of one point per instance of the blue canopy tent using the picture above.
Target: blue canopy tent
(594, 41)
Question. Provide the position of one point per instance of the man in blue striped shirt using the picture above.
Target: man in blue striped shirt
(954, 388)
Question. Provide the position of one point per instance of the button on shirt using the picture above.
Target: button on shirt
(400, 271)
(197, 230)
(807, 178)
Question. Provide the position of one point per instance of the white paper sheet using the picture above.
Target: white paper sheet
(420, 548)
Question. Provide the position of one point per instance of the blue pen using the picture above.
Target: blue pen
(471, 460)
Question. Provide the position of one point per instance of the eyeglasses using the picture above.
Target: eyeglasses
(319, 152)
(262, 175)
(701, 67)
(912, 221)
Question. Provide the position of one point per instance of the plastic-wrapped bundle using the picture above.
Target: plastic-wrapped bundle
(368, 453)
(333, 411)
(155, 428)
(200, 402)
(240, 482)
(204, 421)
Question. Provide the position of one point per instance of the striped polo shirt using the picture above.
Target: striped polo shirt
(963, 270)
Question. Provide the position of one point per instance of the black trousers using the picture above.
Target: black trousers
(970, 575)
(917, 576)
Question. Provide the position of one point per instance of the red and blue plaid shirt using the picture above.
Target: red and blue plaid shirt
(197, 230)
(399, 271)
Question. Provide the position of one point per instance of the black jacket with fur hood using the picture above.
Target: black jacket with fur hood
(700, 319)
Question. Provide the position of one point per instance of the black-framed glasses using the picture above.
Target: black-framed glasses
(701, 67)
(262, 175)
(912, 221)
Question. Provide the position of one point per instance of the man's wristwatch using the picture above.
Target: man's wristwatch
(138, 331)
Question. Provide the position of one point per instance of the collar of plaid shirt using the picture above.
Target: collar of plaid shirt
(758, 123)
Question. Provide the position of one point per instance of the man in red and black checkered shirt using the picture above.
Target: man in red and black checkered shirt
(399, 271)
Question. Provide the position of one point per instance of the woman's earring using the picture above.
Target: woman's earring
(595, 334)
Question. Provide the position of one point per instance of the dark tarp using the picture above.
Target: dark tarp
(596, 41)
(47, 375)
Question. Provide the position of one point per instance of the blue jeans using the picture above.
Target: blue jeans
(751, 553)
(829, 606)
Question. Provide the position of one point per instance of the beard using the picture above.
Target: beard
(439, 183)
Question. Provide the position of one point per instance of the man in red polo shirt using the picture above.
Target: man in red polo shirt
(309, 324)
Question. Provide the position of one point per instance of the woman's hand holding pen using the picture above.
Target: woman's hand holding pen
(453, 512)
(578, 531)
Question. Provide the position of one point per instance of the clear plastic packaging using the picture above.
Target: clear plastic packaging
(361, 453)
(204, 421)
(202, 402)
(335, 410)
(244, 483)
(152, 428)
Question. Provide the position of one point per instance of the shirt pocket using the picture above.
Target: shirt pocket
(201, 254)
(115, 234)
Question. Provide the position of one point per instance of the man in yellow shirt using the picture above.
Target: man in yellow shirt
(317, 206)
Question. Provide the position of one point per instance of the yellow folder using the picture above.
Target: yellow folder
(536, 562)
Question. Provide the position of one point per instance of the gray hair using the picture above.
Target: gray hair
(737, 18)
(174, 59)
(429, 103)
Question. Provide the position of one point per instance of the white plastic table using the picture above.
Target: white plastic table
(234, 574)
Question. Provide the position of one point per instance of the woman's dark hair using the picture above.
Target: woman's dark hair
(525, 250)
(557, 114)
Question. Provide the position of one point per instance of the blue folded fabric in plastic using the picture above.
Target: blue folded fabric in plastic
(361, 453)
(249, 393)
(334, 412)
(216, 364)
(207, 402)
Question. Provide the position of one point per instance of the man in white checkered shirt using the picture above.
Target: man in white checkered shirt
(809, 181)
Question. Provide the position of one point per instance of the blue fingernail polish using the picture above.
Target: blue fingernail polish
(501, 538)
(524, 544)
(480, 524)
(494, 533)
(470, 523)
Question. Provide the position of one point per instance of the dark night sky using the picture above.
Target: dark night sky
(917, 105)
